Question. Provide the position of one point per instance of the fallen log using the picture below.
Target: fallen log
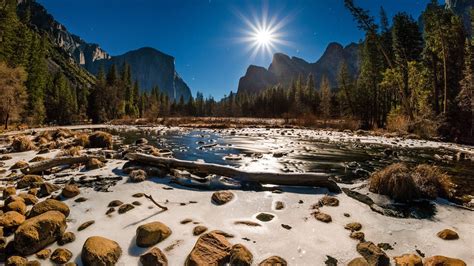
(65, 160)
(283, 179)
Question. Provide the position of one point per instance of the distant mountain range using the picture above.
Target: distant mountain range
(283, 69)
(149, 66)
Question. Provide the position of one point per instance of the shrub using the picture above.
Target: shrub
(81, 140)
(23, 143)
(394, 181)
(432, 182)
(401, 183)
(397, 122)
(100, 139)
(62, 133)
(72, 151)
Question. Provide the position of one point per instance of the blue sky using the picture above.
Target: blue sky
(205, 35)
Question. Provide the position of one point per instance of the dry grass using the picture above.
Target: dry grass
(403, 184)
(394, 181)
(398, 123)
(72, 151)
(62, 133)
(23, 143)
(81, 139)
(100, 139)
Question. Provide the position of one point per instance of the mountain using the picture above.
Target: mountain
(149, 66)
(462, 8)
(283, 69)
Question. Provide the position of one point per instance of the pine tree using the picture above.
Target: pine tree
(325, 97)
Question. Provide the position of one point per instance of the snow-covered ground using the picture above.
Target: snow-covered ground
(306, 243)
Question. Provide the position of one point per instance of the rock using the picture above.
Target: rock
(329, 201)
(152, 233)
(443, 261)
(330, 261)
(70, 191)
(43, 254)
(265, 217)
(81, 199)
(115, 203)
(273, 261)
(357, 235)
(28, 181)
(94, 163)
(19, 165)
(448, 234)
(85, 225)
(222, 197)
(248, 223)
(199, 230)
(46, 189)
(11, 220)
(353, 226)
(29, 199)
(49, 205)
(347, 214)
(61, 256)
(358, 262)
(100, 139)
(17, 205)
(323, 217)
(136, 176)
(137, 203)
(385, 246)
(373, 254)
(109, 211)
(408, 260)
(154, 257)
(100, 251)
(240, 255)
(5, 158)
(210, 249)
(16, 261)
(125, 208)
(33, 263)
(66, 238)
(138, 195)
(287, 227)
(38, 159)
(186, 221)
(279, 205)
(8, 191)
(38, 232)
(33, 191)
(141, 141)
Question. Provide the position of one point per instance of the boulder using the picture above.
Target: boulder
(448, 234)
(66, 238)
(38, 232)
(17, 205)
(141, 141)
(28, 181)
(152, 233)
(358, 262)
(46, 189)
(240, 255)
(279, 205)
(43, 254)
(353, 226)
(323, 217)
(28, 198)
(16, 261)
(222, 197)
(199, 230)
(273, 261)
(100, 139)
(70, 191)
(115, 203)
(329, 201)
(94, 163)
(85, 225)
(125, 208)
(373, 254)
(443, 261)
(210, 249)
(8, 191)
(19, 165)
(98, 250)
(61, 256)
(136, 176)
(357, 235)
(11, 220)
(154, 257)
(265, 217)
(408, 260)
(49, 205)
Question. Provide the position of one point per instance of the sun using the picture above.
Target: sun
(264, 34)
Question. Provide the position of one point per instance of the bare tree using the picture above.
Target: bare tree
(12, 92)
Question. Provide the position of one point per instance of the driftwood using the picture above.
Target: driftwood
(164, 208)
(284, 179)
(66, 160)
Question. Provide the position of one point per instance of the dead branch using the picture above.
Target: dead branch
(284, 179)
(156, 203)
